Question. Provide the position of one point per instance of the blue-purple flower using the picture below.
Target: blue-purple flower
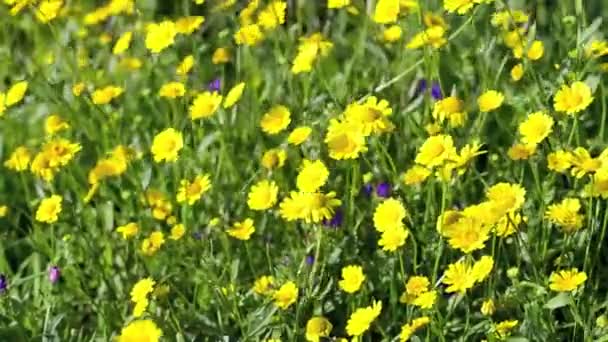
(215, 85)
(383, 190)
(335, 221)
(436, 91)
(54, 274)
(3, 283)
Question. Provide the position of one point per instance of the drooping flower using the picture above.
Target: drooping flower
(263, 285)
(312, 176)
(389, 214)
(272, 15)
(172, 90)
(536, 127)
(317, 328)
(310, 207)
(123, 43)
(234, 95)
(185, 65)
(393, 238)
(299, 135)
(128, 230)
(19, 160)
(407, 330)
(187, 25)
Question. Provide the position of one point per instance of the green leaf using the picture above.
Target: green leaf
(558, 301)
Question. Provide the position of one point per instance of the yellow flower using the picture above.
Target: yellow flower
(19, 160)
(408, 329)
(286, 295)
(517, 72)
(436, 150)
(317, 328)
(503, 329)
(54, 123)
(272, 15)
(372, 114)
(177, 232)
(263, 285)
(467, 234)
(242, 230)
(507, 197)
(191, 192)
(573, 99)
(507, 225)
(249, 35)
(275, 120)
(425, 300)
(566, 214)
(352, 278)
(131, 63)
(140, 307)
(433, 36)
(160, 36)
(459, 6)
(128, 230)
(308, 50)
(392, 33)
(536, 128)
(521, 151)
(234, 95)
(482, 268)
(166, 145)
(415, 286)
(389, 214)
(416, 175)
(338, 3)
(490, 100)
(458, 277)
(312, 175)
(123, 43)
(583, 163)
(310, 207)
(185, 66)
(48, 10)
(141, 330)
(448, 107)
(299, 135)
(274, 158)
(49, 209)
(205, 104)
(220, 56)
(172, 90)
(3, 210)
(107, 94)
(152, 243)
(262, 195)
(360, 320)
(187, 25)
(487, 307)
(536, 50)
(15, 93)
(141, 289)
(386, 11)
(566, 280)
(393, 238)
(345, 139)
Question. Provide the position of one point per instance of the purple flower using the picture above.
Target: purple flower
(215, 85)
(383, 190)
(310, 259)
(335, 221)
(367, 189)
(54, 274)
(3, 283)
(420, 87)
(436, 91)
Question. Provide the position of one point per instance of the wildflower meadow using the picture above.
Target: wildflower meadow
(303, 170)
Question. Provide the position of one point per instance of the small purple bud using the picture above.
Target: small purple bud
(3, 284)
(383, 190)
(310, 259)
(436, 91)
(54, 274)
(335, 221)
(215, 85)
(420, 87)
(367, 189)
(197, 235)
